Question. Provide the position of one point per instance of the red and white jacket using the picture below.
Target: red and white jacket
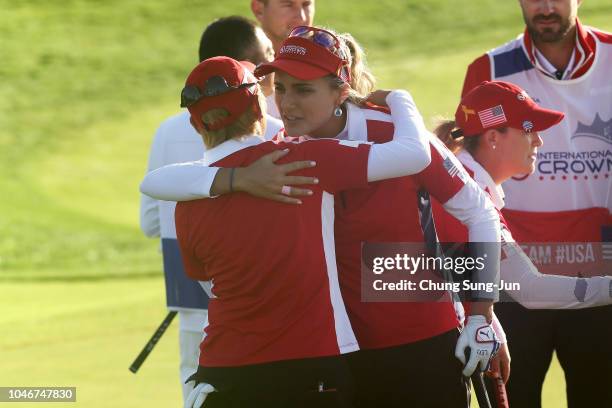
(535, 290)
(388, 211)
(569, 196)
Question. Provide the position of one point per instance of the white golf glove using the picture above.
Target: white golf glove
(198, 395)
(499, 330)
(480, 338)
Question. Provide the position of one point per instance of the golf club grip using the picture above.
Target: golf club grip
(152, 342)
(496, 383)
(479, 386)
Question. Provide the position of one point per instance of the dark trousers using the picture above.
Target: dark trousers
(423, 374)
(583, 342)
(316, 382)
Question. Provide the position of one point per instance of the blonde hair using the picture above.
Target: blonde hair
(249, 123)
(362, 80)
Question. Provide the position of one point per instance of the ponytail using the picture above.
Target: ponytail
(362, 80)
(446, 131)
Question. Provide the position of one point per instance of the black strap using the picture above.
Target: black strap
(432, 243)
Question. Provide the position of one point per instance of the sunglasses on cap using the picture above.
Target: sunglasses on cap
(215, 86)
(328, 41)
(320, 37)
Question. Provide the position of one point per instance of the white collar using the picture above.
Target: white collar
(546, 66)
(356, 123)
(229, 147)
(483, 178)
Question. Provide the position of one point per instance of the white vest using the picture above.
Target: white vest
(574, 166)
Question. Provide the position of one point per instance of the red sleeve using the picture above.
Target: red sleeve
(448, 228)
(341, 164)
(194, 268)
(444, 176)
(603, 36)
(477, 72)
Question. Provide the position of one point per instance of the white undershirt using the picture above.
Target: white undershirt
(546, 66)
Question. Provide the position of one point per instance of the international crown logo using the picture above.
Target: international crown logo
(597, 130)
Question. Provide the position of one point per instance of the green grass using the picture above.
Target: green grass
(83, 86)
(86, 334)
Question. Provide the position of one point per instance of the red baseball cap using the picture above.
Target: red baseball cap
(303, 59)
(495, 104)
(249, 65)
(219, 82)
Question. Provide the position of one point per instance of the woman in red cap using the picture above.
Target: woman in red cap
(495, 136)
(277, 323)
(408, 349)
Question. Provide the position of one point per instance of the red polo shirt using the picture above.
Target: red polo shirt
(272, 265)
(388, 211)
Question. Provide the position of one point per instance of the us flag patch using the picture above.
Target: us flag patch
(453, 170)
(492, 116)
(450, 167)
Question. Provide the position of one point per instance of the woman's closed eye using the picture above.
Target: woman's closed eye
(279, 88)
(304, 89)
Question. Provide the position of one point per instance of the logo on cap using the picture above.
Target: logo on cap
(467, 111)
(293, 49)
(492, 117)
(527, 126)
(522, 96)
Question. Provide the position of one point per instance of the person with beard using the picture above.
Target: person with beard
(563, 65)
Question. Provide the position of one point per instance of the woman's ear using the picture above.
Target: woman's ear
(491, 138)
(345, 90)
